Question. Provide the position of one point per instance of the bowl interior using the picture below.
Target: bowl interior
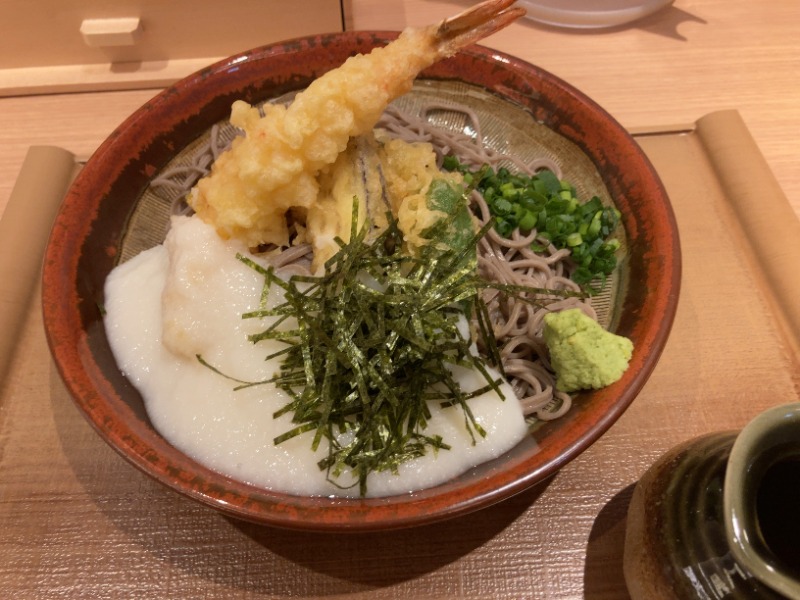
(111, 213)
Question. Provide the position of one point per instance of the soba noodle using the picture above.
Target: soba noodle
(517, 324)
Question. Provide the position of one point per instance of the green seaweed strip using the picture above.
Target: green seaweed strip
(374, 339)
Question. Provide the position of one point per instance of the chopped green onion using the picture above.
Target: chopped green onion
(549, 205)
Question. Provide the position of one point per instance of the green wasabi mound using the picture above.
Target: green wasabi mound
(582, 353)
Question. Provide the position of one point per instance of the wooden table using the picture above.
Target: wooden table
(76, 521)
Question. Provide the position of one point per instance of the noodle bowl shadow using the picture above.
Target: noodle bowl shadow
(89, 234)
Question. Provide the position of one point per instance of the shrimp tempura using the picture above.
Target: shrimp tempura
(274, 167)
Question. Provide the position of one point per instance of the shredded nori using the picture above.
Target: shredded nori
(373, 339)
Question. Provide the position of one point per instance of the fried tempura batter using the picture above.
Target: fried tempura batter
(275, 167)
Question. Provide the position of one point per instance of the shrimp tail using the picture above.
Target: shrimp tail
(474, 24)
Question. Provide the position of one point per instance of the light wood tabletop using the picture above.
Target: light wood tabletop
(76, 521)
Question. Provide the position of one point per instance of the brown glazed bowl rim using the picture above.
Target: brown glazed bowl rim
(87, 232)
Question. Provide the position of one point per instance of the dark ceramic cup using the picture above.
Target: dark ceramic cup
(761, 499)
(718, 517)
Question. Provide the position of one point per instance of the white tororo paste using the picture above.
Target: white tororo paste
(185, 298)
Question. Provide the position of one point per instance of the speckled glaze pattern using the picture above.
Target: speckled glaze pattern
(85, 242)
(676, 546)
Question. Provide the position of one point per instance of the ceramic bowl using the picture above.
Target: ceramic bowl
(88, 239)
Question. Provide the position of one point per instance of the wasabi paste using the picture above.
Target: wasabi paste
(582, 353)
